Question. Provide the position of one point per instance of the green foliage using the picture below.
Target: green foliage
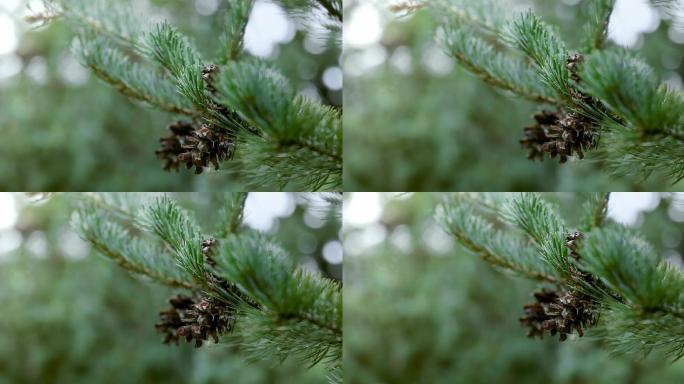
(483, 60)
(301, 141)
(640, 297)
(418, 309)
(232, 39)
(621, 95)
(460, 122)
(283, 311)
(596, 27)
(69, 317)
(129, 78)
(545, 48)
(480, 237)
(301, 314)
(650, 316)
(303, 148)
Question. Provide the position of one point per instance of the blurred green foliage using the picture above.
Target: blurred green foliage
(446, 130)
(71, 316)
(419, 309)
(71, 136)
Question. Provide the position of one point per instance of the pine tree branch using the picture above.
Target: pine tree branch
(232, 38)
(542, 222)
(649, 128)
(131, 79)
(294, 143)
(630, 330)
(505, 72)
(612, 272)
(596, 28)
(546, 49)
(231, 214)
(176, 54)
(300, 313)
(493, 246)
(652, 290)
(165, 219)
(488, 16)
(303, 138)
(627, 152)
(595, 209)
(630, 266)
(631, 89)
(100, 16)
(266, 305)
(129, 252)
(264, 164)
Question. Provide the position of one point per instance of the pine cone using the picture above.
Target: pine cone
(207, 250)
(564, 310)
(571, 241)
(195, 319)
(573, 62)
(207, 318)
(195, 146)
(209, 73)
(561, 133)
(559, 312)
(170, 319)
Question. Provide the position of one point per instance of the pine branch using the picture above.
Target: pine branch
(630, 266)
(176, 54)
(607, 100)
(232, 38)
(165, 219)
(104, 17)
(631, 89)
(231, 214)
(301, 140)
(493, 246)
(300, 314)
(629, 330)
(129, 78)
(650, 128)
(488, 16)
(244, 288)
(596, 28)
(137, 255)
(652, 314)
(627, 152)
(595, 209)
(292, 143)
(608, 272)
(542, 222)
(495, 68)
(546, 49)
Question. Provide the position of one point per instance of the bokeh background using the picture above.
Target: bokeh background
(62, 129)
(411, 111)
(420, 309)
(70, 315)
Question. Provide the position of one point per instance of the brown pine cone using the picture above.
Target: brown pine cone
(194, 146)
(560, 133)
(197, 319)
(559, 312)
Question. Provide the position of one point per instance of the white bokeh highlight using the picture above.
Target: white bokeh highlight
(264, 209)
